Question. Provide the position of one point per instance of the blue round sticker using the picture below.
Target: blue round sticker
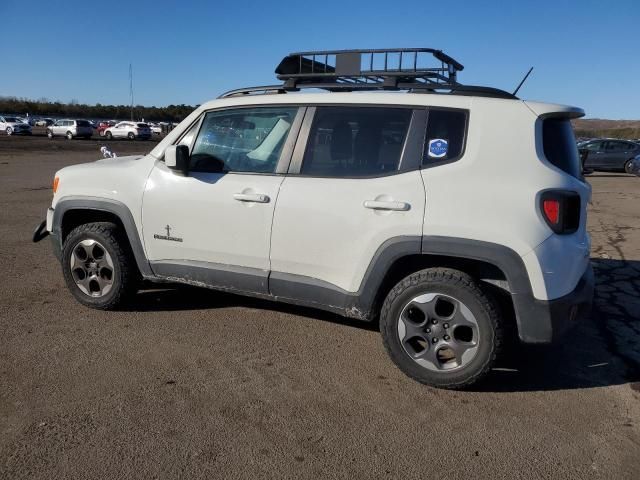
(438, 147)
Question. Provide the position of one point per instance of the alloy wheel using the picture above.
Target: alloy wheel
(438, 332)
(92, 268)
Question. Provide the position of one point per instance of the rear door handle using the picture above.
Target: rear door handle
(380, 205)
(251, 197)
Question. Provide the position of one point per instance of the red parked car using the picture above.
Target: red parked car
(102, 126)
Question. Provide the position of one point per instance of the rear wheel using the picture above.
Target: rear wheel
(627, 165)
(441, 329)
(131, 135)
(69, 136)
(9, 131)
(98, 265)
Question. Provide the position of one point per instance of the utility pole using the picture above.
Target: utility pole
(131, 88)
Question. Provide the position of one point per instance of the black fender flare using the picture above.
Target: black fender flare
(114, 207)
(532, 321)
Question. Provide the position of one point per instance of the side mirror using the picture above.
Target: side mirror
(176, 157)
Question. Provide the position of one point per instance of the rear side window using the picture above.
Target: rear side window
(355, 141)
(559, 146)
(82, 123)
(446, 132)
(143, 125)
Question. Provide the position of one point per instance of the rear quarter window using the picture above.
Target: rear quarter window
(445, 136)
(559, 145)
(82, 123)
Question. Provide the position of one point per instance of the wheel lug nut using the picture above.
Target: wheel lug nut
(447, 337)
(434, 321)
(446, 325)
(434, 340)
(428, 330)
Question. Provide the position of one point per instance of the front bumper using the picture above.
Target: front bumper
(548, 320)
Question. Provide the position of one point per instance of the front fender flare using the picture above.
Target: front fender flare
(114, 207)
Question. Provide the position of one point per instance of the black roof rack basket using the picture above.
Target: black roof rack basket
(396, 68)
(412, 69)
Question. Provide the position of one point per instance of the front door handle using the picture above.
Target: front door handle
(251, 197)
(381, 205)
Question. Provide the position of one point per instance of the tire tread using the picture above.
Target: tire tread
(454, 278)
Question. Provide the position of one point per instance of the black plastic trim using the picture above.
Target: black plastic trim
(115, 207)
(213, 275)
(40, 232)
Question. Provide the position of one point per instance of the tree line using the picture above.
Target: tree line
(622, 133)
(45, 108)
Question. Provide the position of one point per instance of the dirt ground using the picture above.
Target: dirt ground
(190, 383)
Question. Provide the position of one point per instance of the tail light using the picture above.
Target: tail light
(561, 210)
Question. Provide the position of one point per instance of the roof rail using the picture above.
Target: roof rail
(254, 91)
(413, 69)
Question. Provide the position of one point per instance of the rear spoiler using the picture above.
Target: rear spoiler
(552, 110)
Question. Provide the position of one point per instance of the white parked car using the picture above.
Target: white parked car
(453, 219)
(156, 129)
(14, 126)
(130, 130)
(70, 129)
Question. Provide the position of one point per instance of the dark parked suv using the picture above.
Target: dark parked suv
(607, 154)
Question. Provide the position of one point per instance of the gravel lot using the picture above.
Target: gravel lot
(195, 384)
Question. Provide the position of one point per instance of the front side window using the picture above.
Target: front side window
(242, 140)
(444, 141)
(355, 141)
(594, 146)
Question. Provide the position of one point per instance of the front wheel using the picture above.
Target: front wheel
(441, 329)
(49, 134)
(98, 265)
(108, 135)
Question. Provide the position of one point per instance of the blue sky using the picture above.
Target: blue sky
(585, 53)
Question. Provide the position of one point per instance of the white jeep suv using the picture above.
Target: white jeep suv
(450, 214)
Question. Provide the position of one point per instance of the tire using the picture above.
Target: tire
(69, 136)
(9, 131)
(627, 166)
(108, 135)
(451, 329)
(131, 136)
(49, 134)
(98, 265)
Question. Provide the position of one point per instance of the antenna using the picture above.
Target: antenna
(523, 80)
(131, 88)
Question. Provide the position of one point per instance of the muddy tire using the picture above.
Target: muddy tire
(441, 329)
(98, 265)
